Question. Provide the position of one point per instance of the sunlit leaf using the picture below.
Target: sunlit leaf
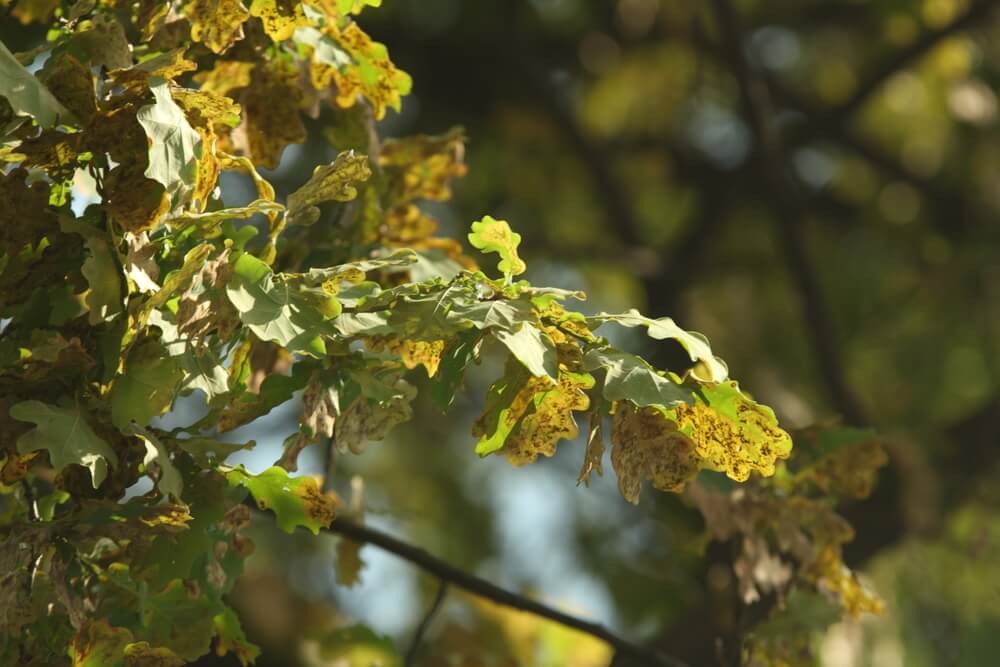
(295, 501)
(216, 23)
(708, 367)
(27, 95)
(174, 146)
(333, 182)
(490, 235)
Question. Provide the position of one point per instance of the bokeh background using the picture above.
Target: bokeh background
(846, 268)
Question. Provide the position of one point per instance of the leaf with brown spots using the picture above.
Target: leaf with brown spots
(333, 182)
(549, 417)
(371, 416)
(295, 501)
(412, 353)
(373, 76)
(280, 17)
(731, 432)
(218, 24)
(647, 446)
(422, 166)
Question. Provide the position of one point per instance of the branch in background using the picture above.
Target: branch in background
(468, 582)
(418, 636)
(790, 213)
(899, 60)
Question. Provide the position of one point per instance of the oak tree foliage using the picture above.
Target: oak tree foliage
(117, 303)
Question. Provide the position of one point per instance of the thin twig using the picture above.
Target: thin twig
(418, 636)
(473, 584)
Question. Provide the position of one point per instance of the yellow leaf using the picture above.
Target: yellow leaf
(422, 167)
(550, 417)
(280, 17)
(374, 76)
(732, 433)
(218, 24)
(349, 562)
(412, 353)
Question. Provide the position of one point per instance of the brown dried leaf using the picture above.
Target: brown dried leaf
(647, 445)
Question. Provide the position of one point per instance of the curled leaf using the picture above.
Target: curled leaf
(647, 446)
(332, 182)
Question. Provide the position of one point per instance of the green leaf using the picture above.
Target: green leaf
(708, 367)
(146, 389)
(232, 639)
(533, 348)
(27, 95)
(275, 310)
(67, 436)
(451, 370)
(630, 377)
(174, 146)
(295, 501)
(101, 271)
(497, 313)
(355, 6)
(500, 415)
(201, 367)
(194, 260)
(170, 482)
(491, 235)
(325, 49)
(332, 182)
(207, 452)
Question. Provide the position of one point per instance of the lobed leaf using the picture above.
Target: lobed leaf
(490, 235)
(295, 501)
(66, 435)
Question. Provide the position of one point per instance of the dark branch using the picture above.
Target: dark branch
(899, 60)
(790, 212)
(473, 584)
(418, 636)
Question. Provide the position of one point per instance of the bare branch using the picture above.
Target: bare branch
(418, 636)
(473, 584)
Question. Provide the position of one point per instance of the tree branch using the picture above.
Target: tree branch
(790, 213)
(468, 582)
(418, 636)
(899, 60)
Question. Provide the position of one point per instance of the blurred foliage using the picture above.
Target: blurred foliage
(612, 132)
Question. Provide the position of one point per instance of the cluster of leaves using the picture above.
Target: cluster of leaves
(789, 539)
(118, 302)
